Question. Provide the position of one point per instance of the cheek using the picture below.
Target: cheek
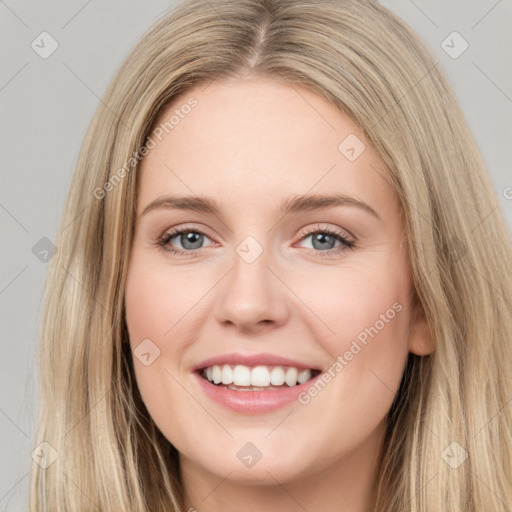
(153, 307)
(149, 303)
(157, 300)
(147, 309)
(162, 308)
(364, 314)
(356, 300)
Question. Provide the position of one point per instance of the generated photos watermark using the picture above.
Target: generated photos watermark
(356, 346)
(158, 133)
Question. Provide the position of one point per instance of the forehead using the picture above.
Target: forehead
(259, 140)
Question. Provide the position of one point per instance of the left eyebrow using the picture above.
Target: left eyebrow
(294, 204)
(317, 202)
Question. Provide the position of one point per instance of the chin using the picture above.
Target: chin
(262, 473)
(247, 464)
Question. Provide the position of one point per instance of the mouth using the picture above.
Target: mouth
(256, 378)
(253, 383)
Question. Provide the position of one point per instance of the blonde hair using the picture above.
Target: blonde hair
(368, 63)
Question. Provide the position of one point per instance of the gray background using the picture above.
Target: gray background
(46, 105)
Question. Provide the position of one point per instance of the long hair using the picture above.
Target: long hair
(101, 447)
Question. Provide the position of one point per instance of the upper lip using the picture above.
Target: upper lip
(251, 360)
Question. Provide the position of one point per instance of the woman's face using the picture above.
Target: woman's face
(291, 266)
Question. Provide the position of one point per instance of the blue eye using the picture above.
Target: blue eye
(190, 239)
(325, 240)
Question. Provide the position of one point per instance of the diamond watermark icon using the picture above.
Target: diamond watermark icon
(44, 249)
(146, 352)
(351, 147)
(44, 45)
(454, 455)
(44, 454)
(249, 455)
(454, 45)
(249, 249)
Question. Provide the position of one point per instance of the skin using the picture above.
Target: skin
(251, 144)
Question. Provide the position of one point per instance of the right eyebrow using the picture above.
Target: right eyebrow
(192, 203)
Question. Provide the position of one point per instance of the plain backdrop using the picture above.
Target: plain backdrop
(47, 103)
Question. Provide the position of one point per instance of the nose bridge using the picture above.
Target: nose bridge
(251, 294)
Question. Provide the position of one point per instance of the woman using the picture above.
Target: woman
(281, 280)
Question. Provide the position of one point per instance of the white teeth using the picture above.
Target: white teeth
(304, 376)
(260, 376)
(257, 378)
(291, 376)
(277, 376)
(241, 376)
(216, 374)
(227, 374)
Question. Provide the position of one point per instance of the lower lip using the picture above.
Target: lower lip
(253, 402)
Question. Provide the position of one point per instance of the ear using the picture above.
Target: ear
(421, 342)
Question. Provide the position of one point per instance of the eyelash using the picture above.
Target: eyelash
(164, 240)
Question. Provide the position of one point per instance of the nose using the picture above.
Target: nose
(251, 297)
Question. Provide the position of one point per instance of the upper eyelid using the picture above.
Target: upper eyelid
(337, 230)
(186, 229)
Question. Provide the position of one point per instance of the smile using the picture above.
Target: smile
(253, 384)
(257, 378)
